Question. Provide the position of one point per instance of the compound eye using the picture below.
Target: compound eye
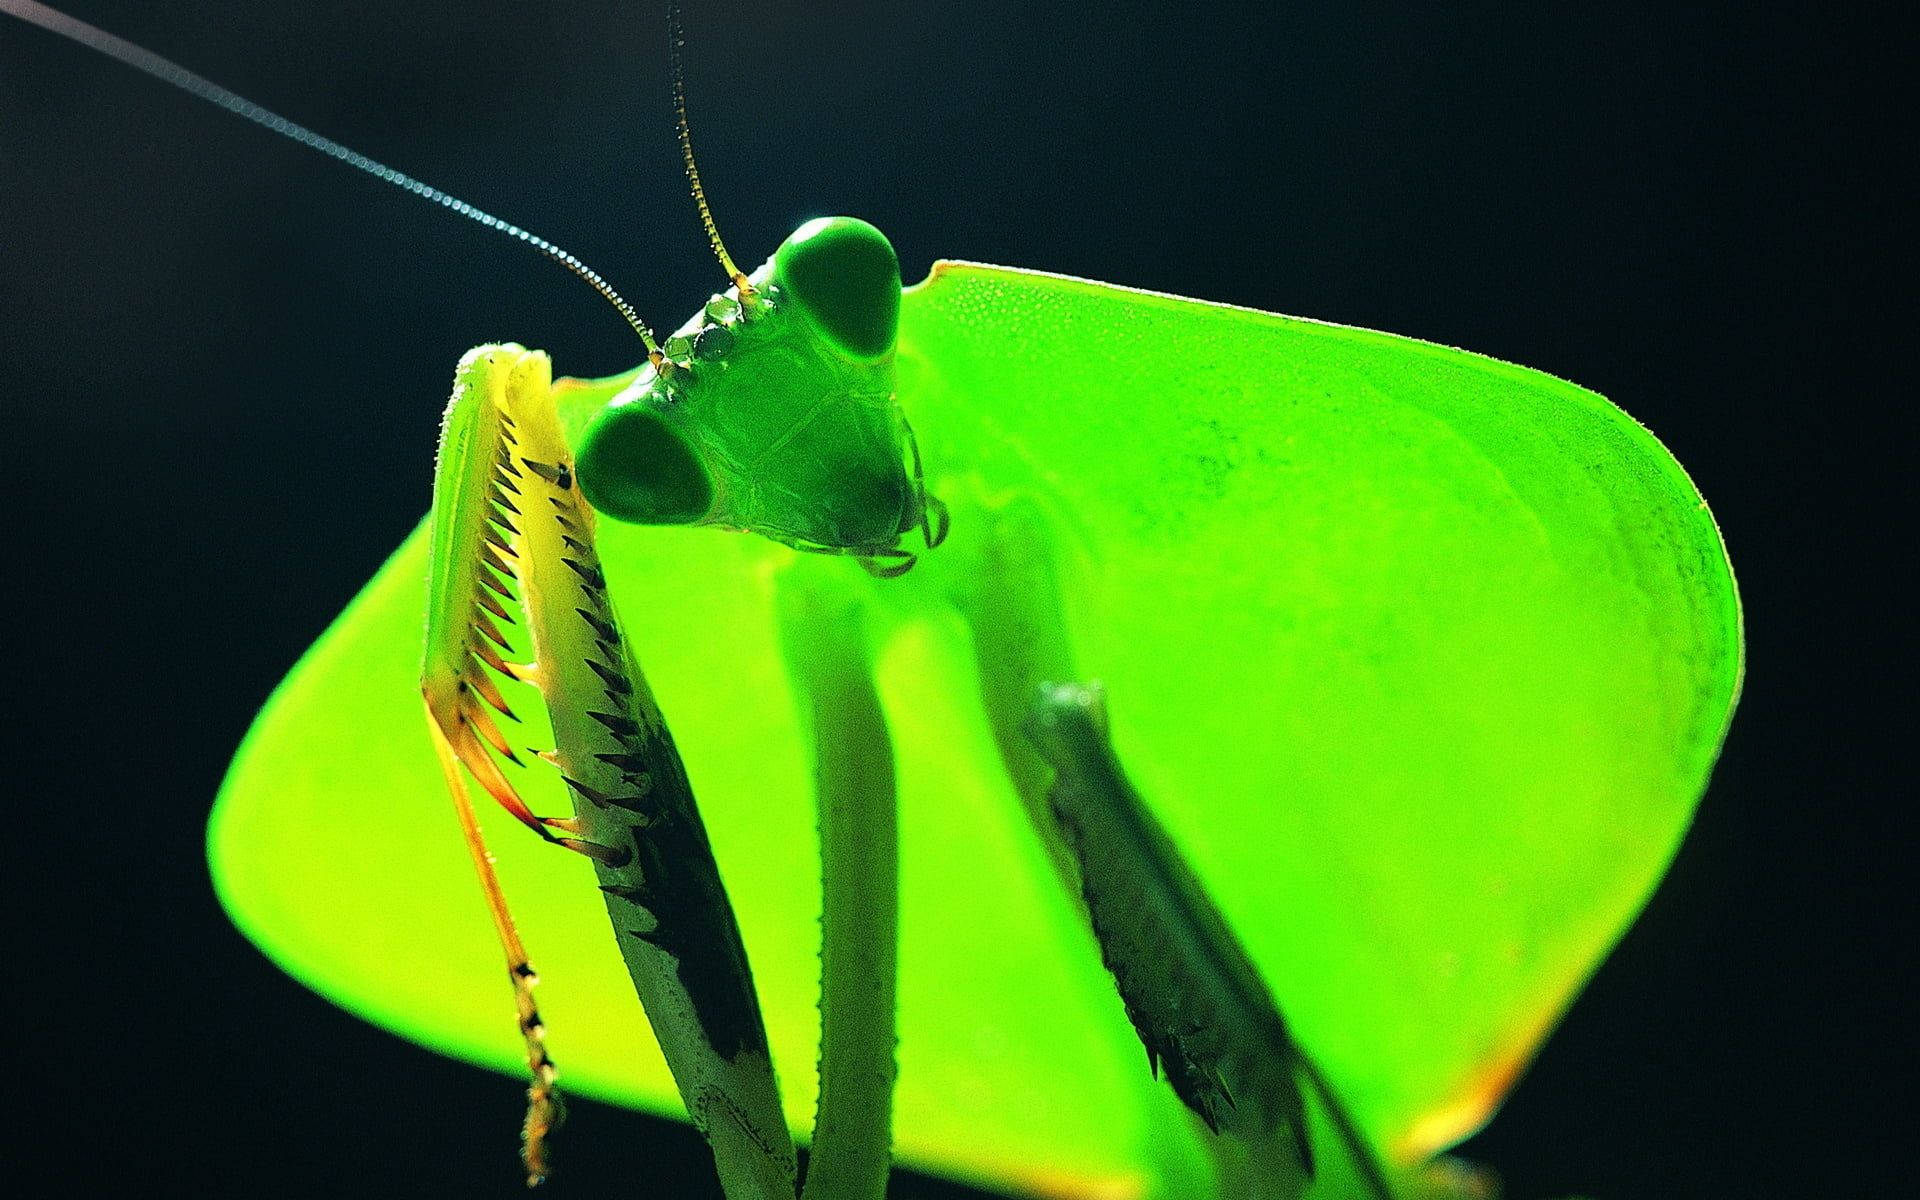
(633, 467)
(844, 274)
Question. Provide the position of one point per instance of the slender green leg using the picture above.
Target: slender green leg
(1005, 582)
(822, 626)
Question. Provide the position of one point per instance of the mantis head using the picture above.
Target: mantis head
(774, 410)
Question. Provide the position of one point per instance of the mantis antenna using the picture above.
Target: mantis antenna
(168, 71)
(676, 57)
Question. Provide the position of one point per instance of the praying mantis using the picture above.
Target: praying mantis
(1016, 544)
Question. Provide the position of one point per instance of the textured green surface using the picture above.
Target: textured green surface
(1421, 658)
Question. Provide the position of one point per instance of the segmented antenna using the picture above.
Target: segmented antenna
(676, 47)
(171, 72)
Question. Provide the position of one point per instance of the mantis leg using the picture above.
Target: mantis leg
(1201, 1009)
(822, 622)
(1203, 1014)
(545, 1110)
(472, 507)
(507, 516)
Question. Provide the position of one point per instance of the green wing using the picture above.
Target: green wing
(1422, 659)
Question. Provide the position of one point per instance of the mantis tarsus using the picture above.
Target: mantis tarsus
(998, 608)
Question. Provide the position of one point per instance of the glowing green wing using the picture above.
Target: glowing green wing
(1422, 659)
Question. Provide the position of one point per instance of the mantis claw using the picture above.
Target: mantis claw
(546, 1112)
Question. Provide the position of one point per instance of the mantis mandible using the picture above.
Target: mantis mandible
(1017, 629)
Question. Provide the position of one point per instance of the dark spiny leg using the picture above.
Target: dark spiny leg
(1199, 1005)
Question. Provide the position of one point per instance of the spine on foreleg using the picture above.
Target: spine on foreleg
(635, 817)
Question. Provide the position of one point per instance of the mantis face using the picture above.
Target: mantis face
(774, 412)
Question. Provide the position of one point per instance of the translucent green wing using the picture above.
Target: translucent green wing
(1422, 659)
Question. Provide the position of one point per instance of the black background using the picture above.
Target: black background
(225, 358)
